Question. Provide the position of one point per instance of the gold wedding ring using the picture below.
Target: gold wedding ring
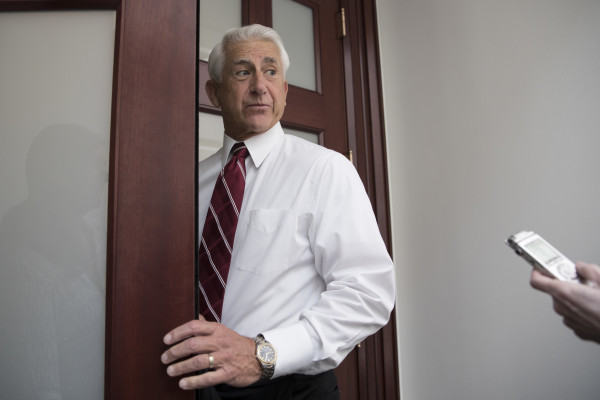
(211, 362)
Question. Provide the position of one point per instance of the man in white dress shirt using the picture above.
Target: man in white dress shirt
(310, 276)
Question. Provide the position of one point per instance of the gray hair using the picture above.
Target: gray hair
(216, 60)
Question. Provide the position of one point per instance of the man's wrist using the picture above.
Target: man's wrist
(266, 356)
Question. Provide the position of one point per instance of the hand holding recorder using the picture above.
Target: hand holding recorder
(575, 288)
(579, 305)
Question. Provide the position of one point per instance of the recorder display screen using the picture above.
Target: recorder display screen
(542, 251)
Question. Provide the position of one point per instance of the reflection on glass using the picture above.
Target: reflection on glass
(294, 23)
(216, 17)
(54, 133)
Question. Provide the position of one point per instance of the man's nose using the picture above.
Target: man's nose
(258, 85)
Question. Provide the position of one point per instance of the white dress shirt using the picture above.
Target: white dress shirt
(309, 269)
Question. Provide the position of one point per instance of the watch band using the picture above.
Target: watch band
(266, 356)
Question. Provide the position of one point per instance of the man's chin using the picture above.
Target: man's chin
(259, 127)
(240, 137)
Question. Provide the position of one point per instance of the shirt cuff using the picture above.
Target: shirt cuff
(294, 348)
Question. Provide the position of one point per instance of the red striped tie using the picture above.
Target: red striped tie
(218, 234)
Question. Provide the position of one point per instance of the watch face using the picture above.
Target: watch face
(266, 353)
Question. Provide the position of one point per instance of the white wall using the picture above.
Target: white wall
(493, 126)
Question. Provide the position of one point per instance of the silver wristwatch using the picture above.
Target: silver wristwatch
(266, 356)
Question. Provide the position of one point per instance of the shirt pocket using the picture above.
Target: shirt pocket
(266, 246)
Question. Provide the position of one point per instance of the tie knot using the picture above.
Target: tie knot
(239, 150)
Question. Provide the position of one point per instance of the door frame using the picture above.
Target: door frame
(378, 358)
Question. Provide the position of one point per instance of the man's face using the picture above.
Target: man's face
(252, 92)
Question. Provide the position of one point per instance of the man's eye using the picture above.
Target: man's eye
(271, 72)
(242, 73)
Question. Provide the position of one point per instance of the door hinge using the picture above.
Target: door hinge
(341, 23)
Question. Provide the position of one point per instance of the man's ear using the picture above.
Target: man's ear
(211, 88)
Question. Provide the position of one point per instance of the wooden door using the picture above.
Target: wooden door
(151, 246)
(345, 112)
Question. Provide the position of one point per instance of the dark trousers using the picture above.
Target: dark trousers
(291, 387)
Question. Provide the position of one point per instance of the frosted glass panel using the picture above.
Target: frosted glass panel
(216, 17)
(210, 134)
(294, 23)
(55, 98)
(311, 137)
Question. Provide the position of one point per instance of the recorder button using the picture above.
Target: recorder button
(567, 271)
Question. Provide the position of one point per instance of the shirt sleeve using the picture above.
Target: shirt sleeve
(352, 259)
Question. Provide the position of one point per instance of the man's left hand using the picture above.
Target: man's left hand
(194, 343)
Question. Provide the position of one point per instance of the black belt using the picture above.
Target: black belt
(322, 386)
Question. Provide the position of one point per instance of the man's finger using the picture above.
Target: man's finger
(561, 308)
(200, 362)
(207, 379)
(189, 329)
(540, 281)
(575, 323)
(590, 272)
(582, 329)
(190, 346)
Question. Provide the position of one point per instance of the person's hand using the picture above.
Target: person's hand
(195, 343)
(579, 305)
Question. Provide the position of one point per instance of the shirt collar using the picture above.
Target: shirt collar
(259, 146)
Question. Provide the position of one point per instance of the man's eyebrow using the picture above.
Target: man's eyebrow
(241, 61)
(270, 60)
(266, 60)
